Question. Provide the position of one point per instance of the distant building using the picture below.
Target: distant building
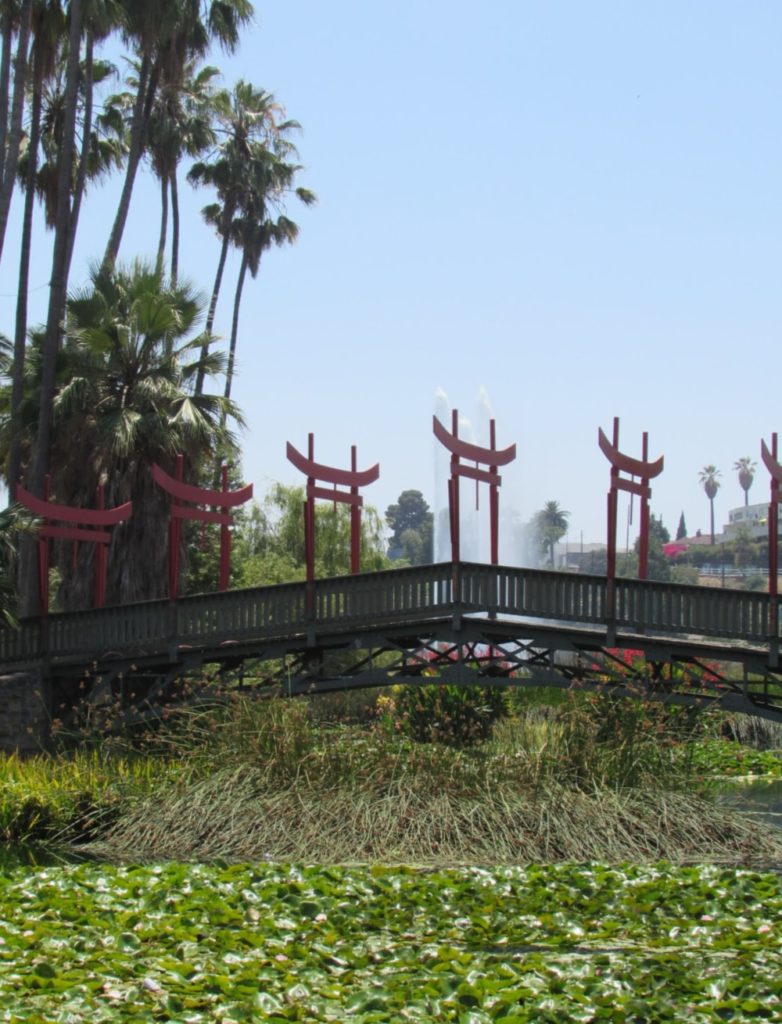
(753, 517)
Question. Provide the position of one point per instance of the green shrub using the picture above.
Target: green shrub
(457, 716)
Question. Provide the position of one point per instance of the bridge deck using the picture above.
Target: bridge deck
(415, 595)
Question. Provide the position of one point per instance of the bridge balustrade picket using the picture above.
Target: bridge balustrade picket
(136, 628)
(242, 614)
(679, 608)
(390, 595)
(533, 593)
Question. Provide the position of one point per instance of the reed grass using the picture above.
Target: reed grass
(236, 815)
(45, 799)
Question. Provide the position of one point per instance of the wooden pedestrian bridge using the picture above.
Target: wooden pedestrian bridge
(460, 623)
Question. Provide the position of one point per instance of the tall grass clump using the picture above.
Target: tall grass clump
(588, 778)
(75, 796)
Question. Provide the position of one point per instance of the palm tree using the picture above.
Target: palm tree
(101, 149)
(58, 278)
(746, 470)
(258, 230)
(124, 401)
(708, 478)
(165, 35)
(253, 132)
(11, 129)
(180, 125)
(551, 524)
(48, 24)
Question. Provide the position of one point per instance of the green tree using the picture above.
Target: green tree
(411, 522)
(659, 565)
(708, 479)
(123, 402)
(745, 468)
(270, 540)
(549, 527)
(681, 529)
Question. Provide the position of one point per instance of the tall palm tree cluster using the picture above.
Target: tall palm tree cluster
(116, 376)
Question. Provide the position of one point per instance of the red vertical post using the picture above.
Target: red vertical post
(643, 544)
(455, 511)
(101, 560)
(613, 507)
(309, 534)
(494, 502)
(174, 534)
(355, 518)
(225, 535)
(43, 556)
(773, 527)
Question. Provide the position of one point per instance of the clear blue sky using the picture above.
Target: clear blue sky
(574, 205)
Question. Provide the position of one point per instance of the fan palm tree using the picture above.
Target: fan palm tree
(165, 35)
(253, 133)
(124, 401)
(745, 467)
(258, 229)
(551, 524)
(180, 125)
(708, 479)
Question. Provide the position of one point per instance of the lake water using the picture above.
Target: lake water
(762, 799)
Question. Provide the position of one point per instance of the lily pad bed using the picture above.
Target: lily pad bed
(196, 943)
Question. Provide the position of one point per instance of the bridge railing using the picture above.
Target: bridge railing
(641, 605)
(703, 611)
(410, 594)
(533, 593)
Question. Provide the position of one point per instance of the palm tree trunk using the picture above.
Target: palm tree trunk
(174, 229)
(146, 78)
(58, 284)
(6, 28)
(20, 336)
(81, 173)
(711, 506)
(161, 245)
(229, 371)
(210, 316)
(17, 110)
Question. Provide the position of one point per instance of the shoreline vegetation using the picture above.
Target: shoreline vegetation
(326, 859)
(352, 779)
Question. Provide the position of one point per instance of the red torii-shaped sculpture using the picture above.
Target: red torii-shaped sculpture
(82, 518)
(641, 468)
(352, 478)
(180, 492)
(491, 457)
(775, 469)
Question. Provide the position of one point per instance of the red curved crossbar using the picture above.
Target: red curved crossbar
(771, 464)
(66, 514)
(472, 452)
(622, 462)
(200, 495)
(330, 475)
